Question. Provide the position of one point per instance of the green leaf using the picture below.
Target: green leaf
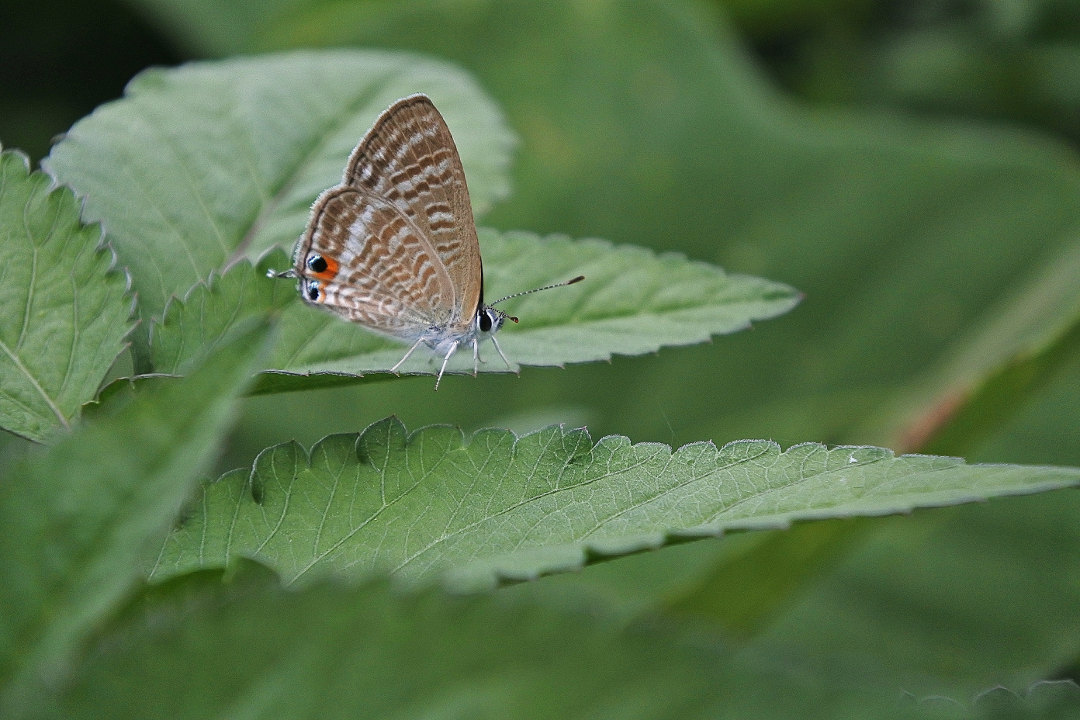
(795, 558)
(212, 27)
(214, 161)
(75, 521)
(1054, 699)
(953, 600)
(631, 302)
(196, 648)
(63, 309)
(961, 422)
(208, 313)
(995, 367)
(502, 508)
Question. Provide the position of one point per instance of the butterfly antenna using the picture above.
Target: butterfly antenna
(535, 289)
(290, 273)
(571, 281)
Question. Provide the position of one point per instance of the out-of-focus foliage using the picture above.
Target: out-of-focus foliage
(910, 167)
(999, 61)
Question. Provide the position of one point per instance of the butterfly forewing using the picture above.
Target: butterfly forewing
(409, 159)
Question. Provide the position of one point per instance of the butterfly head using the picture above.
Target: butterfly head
(489, 320)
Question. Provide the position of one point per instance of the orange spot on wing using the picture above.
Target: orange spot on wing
(331, 271)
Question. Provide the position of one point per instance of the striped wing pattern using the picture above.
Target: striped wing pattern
(388, 279)
(394, 247)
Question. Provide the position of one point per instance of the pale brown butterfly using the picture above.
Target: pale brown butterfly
(393, 248)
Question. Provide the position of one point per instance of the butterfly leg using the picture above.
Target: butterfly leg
(451, 351)
(475, 356)
(508, 365)
(410, 352)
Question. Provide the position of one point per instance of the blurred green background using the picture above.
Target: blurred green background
(910, 166)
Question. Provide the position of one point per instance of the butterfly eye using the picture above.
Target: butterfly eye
(316, 263)
(314, 292)
(488, 320)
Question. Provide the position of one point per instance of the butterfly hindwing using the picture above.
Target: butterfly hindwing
(409, 159)
(370, 264)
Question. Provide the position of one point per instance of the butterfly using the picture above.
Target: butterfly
(393, 248)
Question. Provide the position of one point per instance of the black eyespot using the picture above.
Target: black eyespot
(313, 290)
(316, 263)
(485, 321)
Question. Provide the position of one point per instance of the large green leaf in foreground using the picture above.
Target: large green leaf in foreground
(502, 508)
(63, 310)
(75, 520)
(631, 302)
